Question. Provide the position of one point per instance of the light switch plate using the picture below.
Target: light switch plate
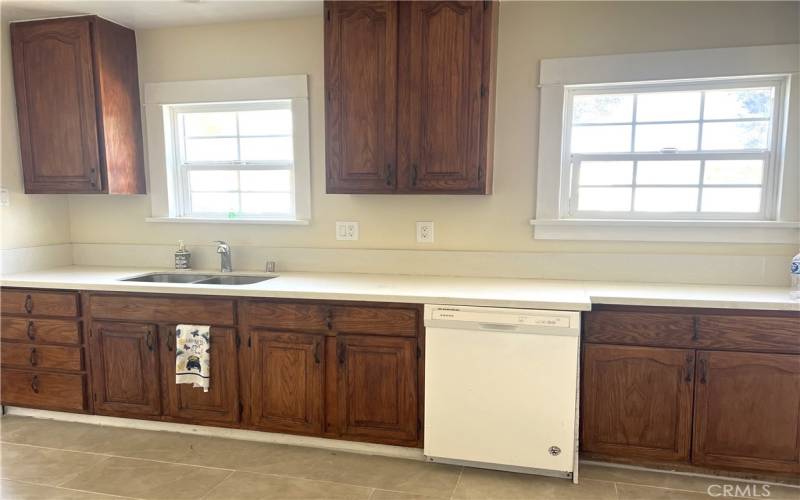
(424, 232)
(346, 231)
(4, 198)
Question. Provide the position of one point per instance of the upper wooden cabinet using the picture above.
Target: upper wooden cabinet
(409, 96)
(78, 111)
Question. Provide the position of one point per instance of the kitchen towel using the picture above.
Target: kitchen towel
(192, 361)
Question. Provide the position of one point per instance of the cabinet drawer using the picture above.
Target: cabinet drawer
(288, 316)
(45, 357)
(640, 328)
(41, 331)
(52, 391)
(39, 303)
(375, 321)
(198, 311)
(753, 333)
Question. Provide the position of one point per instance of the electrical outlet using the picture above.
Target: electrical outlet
(346, 230)
(425, 232)
(4, 197)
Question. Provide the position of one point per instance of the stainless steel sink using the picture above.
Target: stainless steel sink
(233, 280)
(199, 279)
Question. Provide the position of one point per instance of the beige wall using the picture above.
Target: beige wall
(529, 31)
(29, 220)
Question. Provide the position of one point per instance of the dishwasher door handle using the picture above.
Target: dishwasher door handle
(498, 326)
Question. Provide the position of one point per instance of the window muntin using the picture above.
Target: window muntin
(690, 150)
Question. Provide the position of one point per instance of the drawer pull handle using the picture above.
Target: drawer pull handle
(35, 384)
(34, 358)
(149, 340)
(695, 332)
(317, 359)
(329, 319)
(31, 332)
(28, 304)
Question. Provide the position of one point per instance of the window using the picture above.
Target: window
(683, 149)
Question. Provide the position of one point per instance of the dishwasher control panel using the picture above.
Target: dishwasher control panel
(503, 317)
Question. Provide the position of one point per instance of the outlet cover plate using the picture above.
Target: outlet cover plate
(424, 232)
(346, 231)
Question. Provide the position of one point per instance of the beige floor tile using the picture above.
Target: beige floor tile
(41, 465)
(397, 495)
(486, 484)
(637, 492)
(148, 479)
(14, 490)
(246, 486)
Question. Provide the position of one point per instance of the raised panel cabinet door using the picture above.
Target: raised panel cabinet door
(287, 381)
(439, 95)
(637, 402)
(747, 411)
(54, 83)
(377, 387)
(221, 402)
(125, 369)
(361, 90)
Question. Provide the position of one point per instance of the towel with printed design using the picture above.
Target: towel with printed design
(192, 360)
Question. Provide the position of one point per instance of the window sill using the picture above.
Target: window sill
(667, 230)
(202, 220)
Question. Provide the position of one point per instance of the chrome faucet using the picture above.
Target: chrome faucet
(224, 251)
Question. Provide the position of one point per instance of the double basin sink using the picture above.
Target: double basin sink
(200, 279)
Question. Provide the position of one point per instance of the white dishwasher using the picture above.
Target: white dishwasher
(501, 388)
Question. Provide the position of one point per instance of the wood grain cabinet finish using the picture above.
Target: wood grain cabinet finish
(410, 96)
(747, 411)
(125, 369)
(377, 387)
(77, 94)
(44, 390)
(286, 381)
(37, 330)
(169, 310)
(44, 357)
(39, 303)
(637, 402)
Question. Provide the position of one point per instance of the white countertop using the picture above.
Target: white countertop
(496, 292)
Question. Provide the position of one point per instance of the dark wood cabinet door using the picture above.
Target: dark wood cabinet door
(286, 388)
(221, 402)
(637, 402)
(747, 411)
(377, 387)
(125, 369)
(54, 82)
(439, 95)
(361, 90)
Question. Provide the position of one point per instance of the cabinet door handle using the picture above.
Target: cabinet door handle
(170, 340)
(34, 357)
(149, 340)
(31, 331)
(341, 353)
(703, 370)
(413, 174)
(695, 331)
(388, 174)
(28, 304)
(317, 359)
(689, 368)
(35, 384)
(329, 319)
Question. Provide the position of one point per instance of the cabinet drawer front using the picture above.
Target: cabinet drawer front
(640, 328)
(754, 333)
(288, 316)
(375, 320)
(52, 391)
(41, 331)
(201, 311)
(39, 303)
(41, 356)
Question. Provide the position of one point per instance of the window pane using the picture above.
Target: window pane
(601, 139)
(266, 180)
(209, 124)
(211, 150)
(738, 103)
(213, 180)
(666, 199)
(668, 106)
(681, 136)
(215, 202)
(604, 199)
(602, 108)
(734, 172)
(735, 135)
(266, 122)
(731, 200)
(668, 172)
(603, 173)
(267, 148)
(266, 203)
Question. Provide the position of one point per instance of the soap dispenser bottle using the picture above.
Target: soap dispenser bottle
(183, 257)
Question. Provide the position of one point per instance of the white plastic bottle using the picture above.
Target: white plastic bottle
(794, 292)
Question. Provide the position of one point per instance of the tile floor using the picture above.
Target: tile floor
(47, 459)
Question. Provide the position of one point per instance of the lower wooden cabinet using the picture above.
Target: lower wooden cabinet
(125, 369)
(377, 387)
(286, 381)
(51, 391)
(637, 401)
(747, 411)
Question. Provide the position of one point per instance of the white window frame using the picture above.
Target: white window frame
(777, 222)
(167, 177)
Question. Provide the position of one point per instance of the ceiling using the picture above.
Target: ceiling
(146, 14)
